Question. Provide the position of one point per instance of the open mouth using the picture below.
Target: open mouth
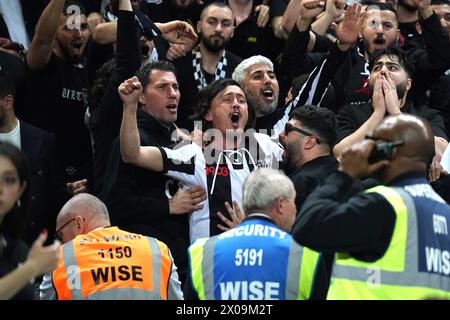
(172, 107)
(235, 117)
(268, 94)
(379, 41)
(76, 47)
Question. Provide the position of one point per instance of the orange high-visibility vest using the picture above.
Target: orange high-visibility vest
(110, 263)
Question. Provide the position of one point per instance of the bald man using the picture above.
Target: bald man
(101, 262)
(391, 241)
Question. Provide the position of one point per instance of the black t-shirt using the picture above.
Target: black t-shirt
(249, 39)
(56, 101)
(350, 118)
(188, 85)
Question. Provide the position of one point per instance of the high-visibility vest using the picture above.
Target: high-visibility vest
(109, 263)
(416, 264)
(253, 261)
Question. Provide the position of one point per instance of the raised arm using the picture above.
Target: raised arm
(105, 33)
(132, 152)
(290, 15)
(333, 10)
(319, 79)
(41, 46)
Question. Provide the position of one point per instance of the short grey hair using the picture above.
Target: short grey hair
(85, 203)
(262, 187)
(240, 72)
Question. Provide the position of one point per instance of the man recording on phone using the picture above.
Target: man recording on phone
(389, 85)
(391, 241)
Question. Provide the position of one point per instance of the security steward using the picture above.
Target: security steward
(258, 259)
(392, 240)
(100, 262)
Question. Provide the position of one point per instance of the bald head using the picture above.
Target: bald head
(81, 214)
(416, 134)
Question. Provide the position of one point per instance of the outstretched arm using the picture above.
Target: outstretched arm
(41, 46)
(132, 152)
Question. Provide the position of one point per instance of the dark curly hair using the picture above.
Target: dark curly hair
(393, 52)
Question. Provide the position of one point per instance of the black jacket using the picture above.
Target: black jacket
(106, 116)
(351, 79)
(38, 147)
(362, 227)
(310, 175)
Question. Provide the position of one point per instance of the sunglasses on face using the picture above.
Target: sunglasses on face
(289, 128)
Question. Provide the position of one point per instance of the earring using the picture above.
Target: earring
(19, 203)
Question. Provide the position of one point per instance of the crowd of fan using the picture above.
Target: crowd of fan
(107, 97)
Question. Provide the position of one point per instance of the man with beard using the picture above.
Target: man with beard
(379, 30)
(308, 140)
(389, 84)
(55, 91)
(219, 164)
(391, 241)
(209, 61)
(256, 75)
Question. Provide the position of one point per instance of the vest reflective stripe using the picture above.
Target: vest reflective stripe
(302, 263)
(71, 285)
(395, 275)
(156, 252)
(162, 265)
(310, 259)
(196, 262)
(292, 291)
(71, 267)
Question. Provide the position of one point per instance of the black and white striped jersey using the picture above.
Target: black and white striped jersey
(313, 90)
(220, 173)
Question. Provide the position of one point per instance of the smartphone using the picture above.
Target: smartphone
(383, 151)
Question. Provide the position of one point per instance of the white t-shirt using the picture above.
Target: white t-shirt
(13, 136)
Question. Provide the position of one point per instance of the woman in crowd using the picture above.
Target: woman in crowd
(15, 280)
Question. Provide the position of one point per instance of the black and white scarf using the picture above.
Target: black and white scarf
(198, 73)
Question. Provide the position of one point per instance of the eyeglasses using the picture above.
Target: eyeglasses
(289, 128)
(57, 235)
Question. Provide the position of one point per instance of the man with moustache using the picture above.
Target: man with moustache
(379, 30)
(389, 84)
(139, 199)
(219, 163)
(308, 140)
(257, 77)
(55, 91)
(207, 62)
